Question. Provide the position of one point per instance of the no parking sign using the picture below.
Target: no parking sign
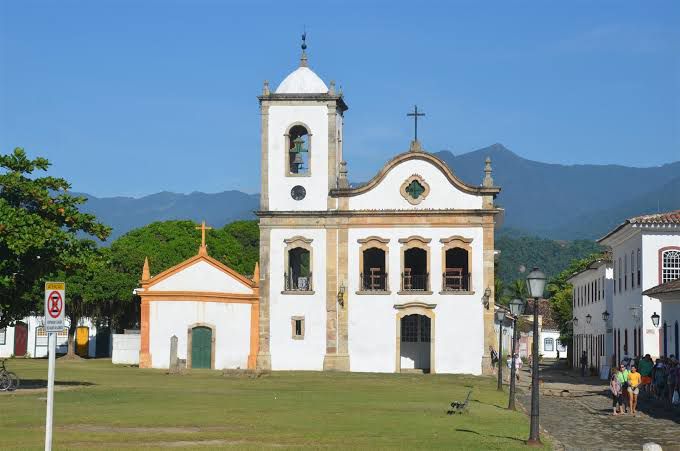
(55, 303)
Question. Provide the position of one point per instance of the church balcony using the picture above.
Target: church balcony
(456, 281)
(415, 283)
(297, 284)
(374, 283)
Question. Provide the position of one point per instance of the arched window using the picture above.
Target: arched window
(373, 259)
(298, 264)
(298, 155)
(456, 264)
(548, 344)
(415, 264)
(670, 264)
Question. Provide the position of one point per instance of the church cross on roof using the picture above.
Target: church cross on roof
(203, 250)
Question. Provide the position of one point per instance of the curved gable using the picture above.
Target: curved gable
(443, 189)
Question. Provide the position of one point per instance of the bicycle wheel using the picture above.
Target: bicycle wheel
(5, 381)
(14, 381)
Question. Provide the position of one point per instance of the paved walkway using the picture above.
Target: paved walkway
(577, 412)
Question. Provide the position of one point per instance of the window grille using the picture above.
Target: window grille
(670, 268)
(548, 345)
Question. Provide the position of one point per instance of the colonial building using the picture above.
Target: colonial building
(396, 274)
(668, 320)
(593, 297)
(209, 307)
(645, 253)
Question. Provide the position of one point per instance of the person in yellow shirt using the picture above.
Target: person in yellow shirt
(634, 380)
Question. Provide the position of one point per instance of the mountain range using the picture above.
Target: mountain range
(548, 200)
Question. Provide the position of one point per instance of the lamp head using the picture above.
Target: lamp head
(655, 319)
(575, 321)
(500, 316)
(516, 306)
(588, 318)
(605, 316)
(536, 283)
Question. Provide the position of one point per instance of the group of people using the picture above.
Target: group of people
(660, 379)
(495, 360)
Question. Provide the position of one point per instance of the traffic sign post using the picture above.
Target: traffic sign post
(55, 303)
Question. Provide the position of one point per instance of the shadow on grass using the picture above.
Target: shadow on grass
(519, 440)
(42, 383)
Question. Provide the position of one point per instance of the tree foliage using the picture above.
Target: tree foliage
(39, 226)
(521, 253)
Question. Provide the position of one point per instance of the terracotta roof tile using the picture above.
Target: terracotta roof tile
(668, 287)
(666, 218)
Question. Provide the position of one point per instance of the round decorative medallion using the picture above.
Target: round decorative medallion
(414, 189)
(298, 192)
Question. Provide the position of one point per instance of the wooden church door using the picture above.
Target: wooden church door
(201, 347)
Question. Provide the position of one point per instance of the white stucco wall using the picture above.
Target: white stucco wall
(125, 349)
(595, 308)
(555, 336)
(280, 119)
(202, 276)
(231, 334)
(458, 318)
(287, 353)
(670, 314)
(386, 195)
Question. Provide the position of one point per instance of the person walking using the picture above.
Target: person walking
(634, 381)
(646, 365)
(615, 388)
(584, 363)
(622, 377)
(508, 361)
(494, 357)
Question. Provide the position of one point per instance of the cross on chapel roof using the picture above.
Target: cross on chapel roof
(203, 250)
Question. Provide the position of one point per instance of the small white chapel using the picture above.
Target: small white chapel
(394, 275)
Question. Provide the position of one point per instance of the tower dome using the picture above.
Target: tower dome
(302, 80)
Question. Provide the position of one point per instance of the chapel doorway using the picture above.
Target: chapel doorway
(415, 344)
(20, 339)
(201, 347)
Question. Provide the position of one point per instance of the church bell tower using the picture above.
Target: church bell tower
(301, 135)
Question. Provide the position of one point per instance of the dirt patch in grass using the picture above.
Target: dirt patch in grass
(133, 430)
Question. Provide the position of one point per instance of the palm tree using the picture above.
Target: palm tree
(518, 288)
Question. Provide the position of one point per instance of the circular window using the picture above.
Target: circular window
(298, 192)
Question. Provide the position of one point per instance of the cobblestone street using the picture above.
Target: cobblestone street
(577, 413)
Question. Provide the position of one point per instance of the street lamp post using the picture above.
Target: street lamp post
(516, 307)
(500, 317)
(535, 285)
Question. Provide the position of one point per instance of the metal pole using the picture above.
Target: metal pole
(500, 353)
(534, 438)
(52, 345)
(511, 402)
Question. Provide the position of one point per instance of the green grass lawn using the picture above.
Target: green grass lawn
(126, 407)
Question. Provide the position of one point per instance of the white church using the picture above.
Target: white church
(394, 275)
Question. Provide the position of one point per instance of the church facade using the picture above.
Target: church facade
(394, 275)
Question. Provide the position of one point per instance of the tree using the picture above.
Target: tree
(165, 244)
(39, 226)
(518, 289)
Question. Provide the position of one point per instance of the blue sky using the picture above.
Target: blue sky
(135, 97)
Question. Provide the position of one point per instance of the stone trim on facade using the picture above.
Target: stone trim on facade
(415, 308)
(292, 326)
(406, 156)
(286, 151)
(407, 196)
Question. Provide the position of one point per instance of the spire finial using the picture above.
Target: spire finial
(303, 58)
(343, 182)
(488, 180)
(256, 273)
(146, 274)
